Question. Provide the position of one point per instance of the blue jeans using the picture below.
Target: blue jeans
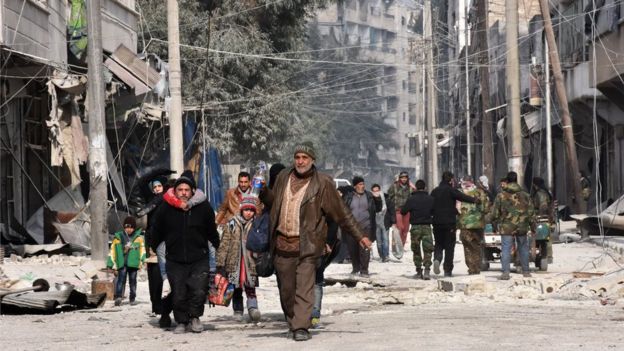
(213, 257)
(319, 283)
(123, 273)
(522, 248)
(383, 243)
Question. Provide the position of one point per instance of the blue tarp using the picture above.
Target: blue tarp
(214, 188)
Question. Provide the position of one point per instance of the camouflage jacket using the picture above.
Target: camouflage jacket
(472, 216)
(542, 204)
(399, 194)
(513, 210)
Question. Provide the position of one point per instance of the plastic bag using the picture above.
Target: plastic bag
(397, 243)
(222, 291)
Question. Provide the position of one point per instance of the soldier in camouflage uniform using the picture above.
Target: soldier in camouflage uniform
(513, 213)
(420, 208)
(471, 223)
(398, 194)
(543, 203)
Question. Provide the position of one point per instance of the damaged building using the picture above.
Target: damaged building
(43, 117)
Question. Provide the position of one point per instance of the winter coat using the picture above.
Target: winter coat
(230, 206)
(473, 216)
(444, 204)
(232, 248)
(135, 254)
(399, 194)
(149, 210)
(420, 207)
(320, 200)
(513, 210)
(390, 216)
(374, 206)
(186, 233)
(542, 202)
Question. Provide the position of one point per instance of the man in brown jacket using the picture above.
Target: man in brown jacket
(300, 201)
(231, 204)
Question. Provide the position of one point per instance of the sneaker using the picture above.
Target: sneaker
(385, 259)
(238, 316)
(436, 266)
(254, 314)
(504, 276)
(302, 335)
(180, 328)
(164, 321)
(526, 274)
(364, 275)
(196, 326)
(419, 274)
(133, 302)
(316, 322)
(426, 275)
(118, 301)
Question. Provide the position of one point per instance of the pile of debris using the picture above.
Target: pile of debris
(30, 295)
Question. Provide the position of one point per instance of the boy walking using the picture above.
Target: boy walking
(127, 255)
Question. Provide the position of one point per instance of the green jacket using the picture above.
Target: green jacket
(513, 210)
(136, 252)
(472, 216)
(399, 194)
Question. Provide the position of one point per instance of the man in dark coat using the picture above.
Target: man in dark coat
(420, 207)
(445, 222)
(186, 234)
(363, 205)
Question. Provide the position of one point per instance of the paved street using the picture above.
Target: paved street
(393, 312)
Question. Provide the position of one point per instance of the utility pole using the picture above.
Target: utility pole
(566, 120)
(549, 160)
(98, 169)
(432, 145)
(468, 126)
(487, 151)
(176, 145)
(513, 90)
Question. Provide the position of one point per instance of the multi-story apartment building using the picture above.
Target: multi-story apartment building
(593, 87)
(388, 34)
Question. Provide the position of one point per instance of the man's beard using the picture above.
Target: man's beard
(184, 198)
(303, 170)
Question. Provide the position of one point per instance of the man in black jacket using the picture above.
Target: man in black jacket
(420, 207)
(445, 220)
(364, 205)
(186, 234)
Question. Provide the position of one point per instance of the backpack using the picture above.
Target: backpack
(258, 237)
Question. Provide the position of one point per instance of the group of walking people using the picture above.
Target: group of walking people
(184, 250)
(433, 220)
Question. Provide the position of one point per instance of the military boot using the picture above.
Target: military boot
(427, 275)
(419, 273)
